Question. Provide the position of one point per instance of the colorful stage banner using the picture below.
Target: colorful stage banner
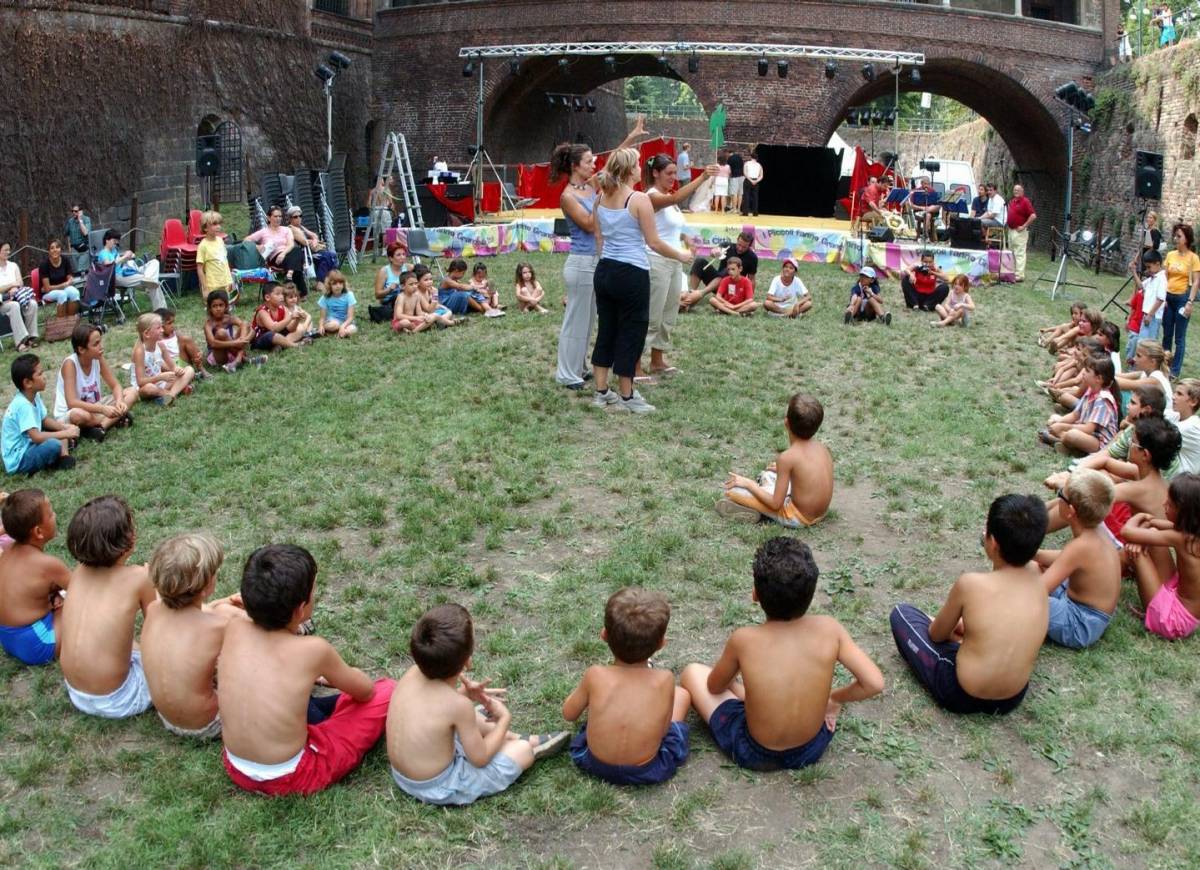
(770, 243)
(981, 267)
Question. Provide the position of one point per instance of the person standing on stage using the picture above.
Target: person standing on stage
(736, 180)
(1020, 216)
(752, 171)
(684, 163)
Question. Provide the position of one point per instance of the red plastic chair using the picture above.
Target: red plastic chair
(174, 242)
(195, 234)
(35, 281)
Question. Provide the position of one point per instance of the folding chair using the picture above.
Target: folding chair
(418, 246)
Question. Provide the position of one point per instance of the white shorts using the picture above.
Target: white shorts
(129, 699)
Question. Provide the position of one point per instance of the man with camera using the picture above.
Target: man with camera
(925, 286)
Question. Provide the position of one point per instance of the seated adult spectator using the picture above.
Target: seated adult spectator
(76, 229)
(387, 279)
(56, 277)
(926, 206)
(925, 286)
(127, 273)
(278, 247)
(17, 302)
(704, 278)
(979, 203)
(995, 213)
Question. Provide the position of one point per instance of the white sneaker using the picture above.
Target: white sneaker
(493, 312)
(603, 400)
(636, 404)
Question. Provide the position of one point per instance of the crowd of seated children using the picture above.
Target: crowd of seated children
(1063, 385)
(958, 305)
(29, 440)
(976, 655)
(529, 290)
(1150, 361)
(101, 665)
(31, 582)
(866, 299)
(227, 336)
(182, 634)
(212, 257)
(735, 293)
(635, 733)
(1172, 606)
(1148, 302)
(443, 749)
(1093, 422)
(156, 378)
(787, 295)
(461, 296)
(273, 326)
(783, 711)
(337, 307)
(416, 308)
(1088, 323)
(795, 490)
(78, 398)
(1048, 335)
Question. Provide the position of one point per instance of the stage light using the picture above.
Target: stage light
(566, 101)
(514, 66)
(694, 63)
(564, 66)
(338, 60)
(890, 118)
(324, 73)
(762, 66)
(868, 72)
(468, 69)
(1067, 92)
(831, 69)
(577, 103)
(550, 99)
(781, 68)
(663, 62)
(915, 75)
(590, 104)
(610, 64)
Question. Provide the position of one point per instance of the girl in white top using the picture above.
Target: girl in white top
(788, 297)
(1151, 361)
(153, 379)
(77, 397)
(659, 176)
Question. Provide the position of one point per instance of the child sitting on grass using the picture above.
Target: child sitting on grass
(866, 299)
(958, 305)
(337, 307)
(783, 712)
(1083, 579)
(1048, 334)
(1063, 385)
(482, 290)
(408, 313)
(31, 583)
(977, 654)
(635, 732)
(795, 490)
(528, 290)
(150, 373)
(735, 293)
(182, 634)
(1088, 324)
(227, 336)
(101, 665)
(434, 310)
(175, 345)
(295, 309)
(787, 296)
(1094, 421)
(442, 750)
(273, 326)
(458, 295)
(278, 740)
(1150, 362)
(1172, 607)
(77, 397)
(29, 440)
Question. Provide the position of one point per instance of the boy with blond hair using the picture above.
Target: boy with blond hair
(31, 583)
(635, 733)
(182, 634)
(212, 258)
(277, 738)
(442, 749)
(783, 712)
(796, 489)
(1083, 579)
(101, 664)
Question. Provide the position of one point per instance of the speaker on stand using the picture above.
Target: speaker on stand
(1148, 175)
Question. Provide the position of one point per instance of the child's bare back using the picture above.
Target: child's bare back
(97, 625)
(29, 584)
(421, 747)
(808, 467)
(629, 711)
(1004, 615)
(1095, 570)
(179, 652)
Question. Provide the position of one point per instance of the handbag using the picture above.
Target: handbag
(59, 328)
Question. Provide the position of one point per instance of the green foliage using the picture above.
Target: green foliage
(659, 96)
(1113, 105)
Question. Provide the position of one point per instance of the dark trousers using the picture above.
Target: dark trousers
(749, 198)
(294, 262)
(622, 314)
(925, 301)
(1175, 329)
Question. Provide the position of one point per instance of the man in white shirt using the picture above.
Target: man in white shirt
(753, 172)
(995, 214)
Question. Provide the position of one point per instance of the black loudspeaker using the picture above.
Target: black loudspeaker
(966, 233)
(1148, 175)
(881, 234)
(208, 156)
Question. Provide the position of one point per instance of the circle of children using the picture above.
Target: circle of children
(1131, 502)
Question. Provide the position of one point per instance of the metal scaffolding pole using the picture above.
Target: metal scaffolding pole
(728, 49)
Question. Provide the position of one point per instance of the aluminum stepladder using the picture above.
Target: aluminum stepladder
(395, 161)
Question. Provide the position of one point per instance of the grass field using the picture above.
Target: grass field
(450, 467)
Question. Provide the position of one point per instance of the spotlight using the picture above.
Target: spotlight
(868, 72)
(564, 66)
(663, 62)
(915, 75)
(1067, 92)
(566, 101)
(550, 99)
(324, 73)
(514, 66)
(831, 69)
(577, 103)
(890, 118)
(694, 63)
(468, 69)
(781, 67)
(610, 64)
(877, 117)
(762, 66)
(338, 60)
(590, 104)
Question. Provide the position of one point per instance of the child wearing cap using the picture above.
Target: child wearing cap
(866, 301)
(788, 297)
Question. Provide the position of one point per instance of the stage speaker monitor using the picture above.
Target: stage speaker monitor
(208, 156)
(1148, 175)
(881, 234)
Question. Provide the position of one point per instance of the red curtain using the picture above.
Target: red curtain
(863, 170)
(533, 180)
(464, 208)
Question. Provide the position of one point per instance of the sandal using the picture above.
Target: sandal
(548, 744)
(1046, 438)
(667, 371)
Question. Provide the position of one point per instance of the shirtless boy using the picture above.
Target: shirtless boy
(783, 712)
(276, 741)
(1083, 579)
(182, 634)
(635, 733)
(101, 664)
(30, 581)
(443, 751)
(977, 654)
(407, 313)
(797, 488)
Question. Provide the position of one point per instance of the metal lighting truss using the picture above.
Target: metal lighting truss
(728, 49)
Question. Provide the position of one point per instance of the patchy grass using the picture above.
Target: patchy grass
(450, 467)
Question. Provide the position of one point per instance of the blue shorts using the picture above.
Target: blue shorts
(264, 341)
(672, 752)
(456, 301)
(461, 782)
(479, 296)
(729, 730)
(1073, 624)
(31, 644)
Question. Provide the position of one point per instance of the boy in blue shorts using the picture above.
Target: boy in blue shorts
(635, 733)
(782, 713)
(31, 583)
(29, 440)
